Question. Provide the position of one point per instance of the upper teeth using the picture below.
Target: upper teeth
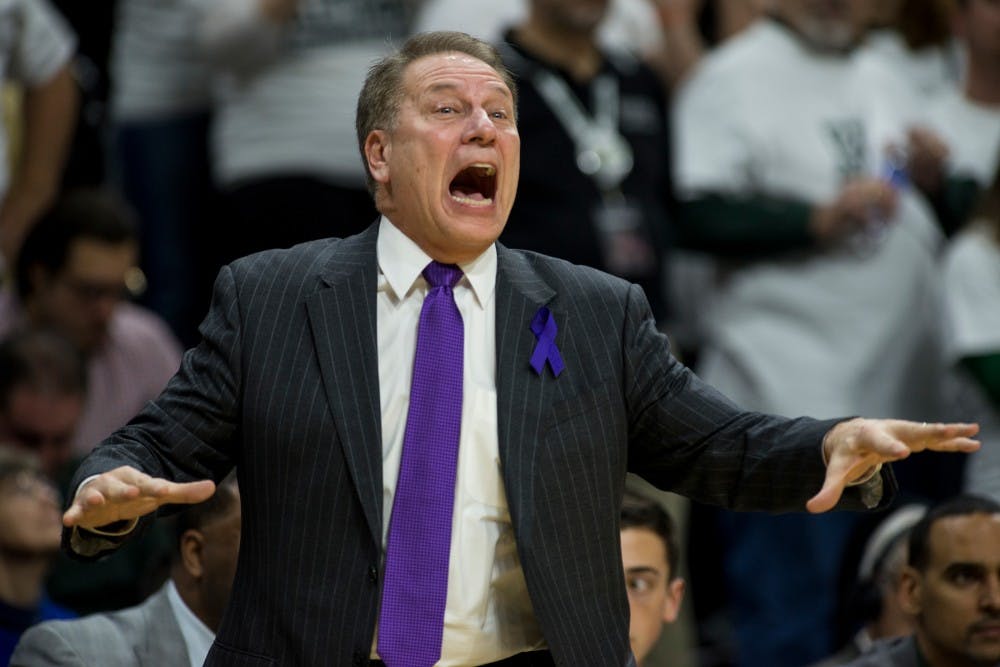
(487, 169)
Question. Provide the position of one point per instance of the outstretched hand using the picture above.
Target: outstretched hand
(125, 494)
(858, 445)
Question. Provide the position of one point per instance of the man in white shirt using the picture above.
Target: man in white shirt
(174, 626)
(562, 384)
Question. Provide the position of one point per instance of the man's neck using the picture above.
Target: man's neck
(573, 51)
(22, 579)
(982, 82)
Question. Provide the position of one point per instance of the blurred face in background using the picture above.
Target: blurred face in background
(30, 516)
(572, 15)
(654, 593)
(977, 22)
(956, 597)
(829, 25)
(42, 422)
(80, 300)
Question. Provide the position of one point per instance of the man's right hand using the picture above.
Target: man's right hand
(860, 202)
(125, 493)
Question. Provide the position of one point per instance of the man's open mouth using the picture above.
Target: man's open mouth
(475, 185)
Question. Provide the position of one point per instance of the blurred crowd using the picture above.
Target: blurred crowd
(807, 190)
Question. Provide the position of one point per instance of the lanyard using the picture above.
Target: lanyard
(601, 151)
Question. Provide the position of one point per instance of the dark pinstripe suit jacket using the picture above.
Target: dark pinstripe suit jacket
(285, 387)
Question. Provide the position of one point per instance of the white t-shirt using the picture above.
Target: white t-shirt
(156, 69)
(928, 72)
(972, 298)
(287, 94)
(972, 132)
(35, 43)
(825, 333)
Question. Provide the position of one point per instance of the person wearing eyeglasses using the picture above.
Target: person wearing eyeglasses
(75, 274)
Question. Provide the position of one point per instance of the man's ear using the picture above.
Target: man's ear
(377, 150)
(675, 595)
(192, 552)
(910, 591)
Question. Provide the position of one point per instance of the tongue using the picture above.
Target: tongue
(467, 193)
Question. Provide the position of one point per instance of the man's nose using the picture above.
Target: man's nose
(480, 128)
(991, 593)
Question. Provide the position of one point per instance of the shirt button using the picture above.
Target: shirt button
(373, 574)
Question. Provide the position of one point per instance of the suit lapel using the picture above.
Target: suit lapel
(521, 393)
(163, 643)
(343, 321)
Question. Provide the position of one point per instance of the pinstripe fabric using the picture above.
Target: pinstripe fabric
(284, 386)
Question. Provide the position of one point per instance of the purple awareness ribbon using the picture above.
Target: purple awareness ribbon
(418, 545)
(544, 328)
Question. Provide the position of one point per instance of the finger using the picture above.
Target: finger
(73, 515)
(828, 496)
(188, 492)
(936, 431)
(966, 445)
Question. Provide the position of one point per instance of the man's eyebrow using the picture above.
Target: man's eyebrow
(642, 569)
(965, 566)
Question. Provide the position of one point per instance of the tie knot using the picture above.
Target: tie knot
(442, 275)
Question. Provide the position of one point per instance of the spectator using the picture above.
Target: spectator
(72, 275)
(824, 269)
(42, 392)
(951, 585)
(967, 119)
(30, 528)
(875, 599)
(36, 52)
(972, 299)
(287, 75)
(598, 119)
(160, 119)
(662, 32)
(174, 626)
(913, 38)
(650, 555)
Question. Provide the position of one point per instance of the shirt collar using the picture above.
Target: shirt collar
(401, 261)
(197, 637)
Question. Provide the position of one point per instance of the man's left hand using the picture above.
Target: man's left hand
(854, 447)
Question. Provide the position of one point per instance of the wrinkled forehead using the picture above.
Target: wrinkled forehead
(452, 70)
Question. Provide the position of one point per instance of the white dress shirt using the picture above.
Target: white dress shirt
(488, 614)
(197, 637)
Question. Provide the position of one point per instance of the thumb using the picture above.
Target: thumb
(829, 495)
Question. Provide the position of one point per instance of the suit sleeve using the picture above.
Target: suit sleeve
(685, 436)
(189, 432)
(44, 646)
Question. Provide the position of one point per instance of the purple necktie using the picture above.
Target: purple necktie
(419, 541)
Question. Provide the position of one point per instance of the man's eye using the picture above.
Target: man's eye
(446, 110)
(964, 576)
(638, 585)
(499, 115)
